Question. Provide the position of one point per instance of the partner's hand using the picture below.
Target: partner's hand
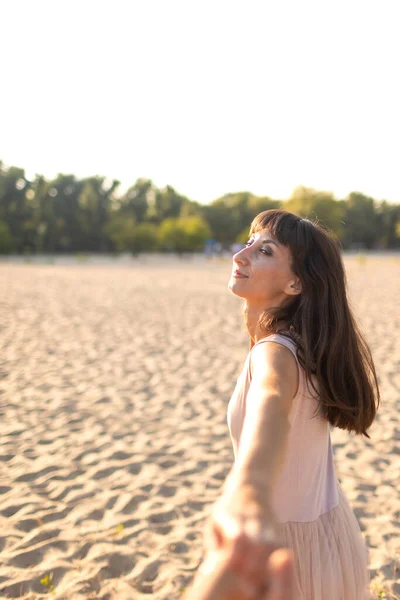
(243, 521)
(218, 581)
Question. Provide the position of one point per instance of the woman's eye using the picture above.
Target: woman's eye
(265, 251)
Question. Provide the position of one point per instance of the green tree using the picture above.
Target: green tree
(6, 240)
(68, 214)
(313, 204)
(183, 235)
(189, 208)
(144, 238)
(361, 221)
(172, 236)
(42, 208)
(56, 204)
(14, 206)
(229, 215)
(96, 202)
(137, 200)
(120, 230)
(196, 231)
(167, 203)
(388, 230)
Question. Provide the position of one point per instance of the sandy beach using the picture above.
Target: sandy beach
(114, 385)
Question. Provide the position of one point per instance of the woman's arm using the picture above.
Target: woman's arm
(262, 447)
(243, 515)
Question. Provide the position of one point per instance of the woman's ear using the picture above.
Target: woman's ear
(294, 287)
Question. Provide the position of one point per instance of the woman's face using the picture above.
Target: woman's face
(262, 273)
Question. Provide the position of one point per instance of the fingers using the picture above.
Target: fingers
(218, 580)
(248, 546)
(251, 549)
(230, 525)
(254, 558)
(249, 559)
(212, 537)
(280, 574)
(262, 541)
(260, 532)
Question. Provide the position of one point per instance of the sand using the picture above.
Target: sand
(114, 384)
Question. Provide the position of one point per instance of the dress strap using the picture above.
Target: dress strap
(279, 339)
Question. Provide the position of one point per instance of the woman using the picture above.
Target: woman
(308, 367)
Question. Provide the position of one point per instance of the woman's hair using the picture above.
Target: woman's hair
(330, 345)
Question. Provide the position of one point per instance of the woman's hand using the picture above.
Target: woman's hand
(243, 523)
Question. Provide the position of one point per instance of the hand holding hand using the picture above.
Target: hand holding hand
(220, 581)
(243, 524)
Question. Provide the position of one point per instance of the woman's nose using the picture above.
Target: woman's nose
(240, 257)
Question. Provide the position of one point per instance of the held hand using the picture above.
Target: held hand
(220, 582)
(242, 522)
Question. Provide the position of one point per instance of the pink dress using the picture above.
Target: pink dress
(317, 523)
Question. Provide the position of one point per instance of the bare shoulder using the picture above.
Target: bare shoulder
(273, 366)
(272, 355)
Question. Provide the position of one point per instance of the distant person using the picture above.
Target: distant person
(208, 248)
(212, 248)
(236, 247)
(308, 367)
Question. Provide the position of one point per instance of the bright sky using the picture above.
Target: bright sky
(210, 96)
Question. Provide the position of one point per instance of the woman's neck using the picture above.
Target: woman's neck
(251, 317)
(251, 322)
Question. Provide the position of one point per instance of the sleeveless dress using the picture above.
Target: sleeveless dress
(316, 520)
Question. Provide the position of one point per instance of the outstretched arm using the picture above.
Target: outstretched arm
(263, 441)
(242, 519)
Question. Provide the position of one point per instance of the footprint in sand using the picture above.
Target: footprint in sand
(164, 530)
(144, 581)
(36, 555)
(35, 475)
(166, 464)
(135, 468)
(178, 547)
(103, 473)
(117, 564)
(167, 491)
(163, 517)
(132, 505)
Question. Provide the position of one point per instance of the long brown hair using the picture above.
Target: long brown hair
(330, 345)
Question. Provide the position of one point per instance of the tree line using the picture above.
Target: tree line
(69, 215)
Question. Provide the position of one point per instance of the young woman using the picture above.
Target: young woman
(308, 367)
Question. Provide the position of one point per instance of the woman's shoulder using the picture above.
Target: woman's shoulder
(287, 339)
(273, 361)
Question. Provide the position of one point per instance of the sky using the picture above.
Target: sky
(209, 96)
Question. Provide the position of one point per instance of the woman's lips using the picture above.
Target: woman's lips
(239, 275)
